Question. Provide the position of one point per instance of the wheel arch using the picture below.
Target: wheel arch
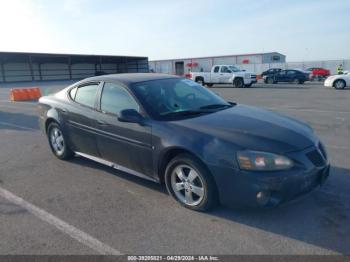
(170, 154)
(49, 121)
(51, 116)
(237, 77)
(199, 78)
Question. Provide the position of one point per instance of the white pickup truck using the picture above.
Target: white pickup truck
(224, 74)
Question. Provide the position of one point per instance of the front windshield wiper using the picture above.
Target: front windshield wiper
(216, 106)
(185, 113)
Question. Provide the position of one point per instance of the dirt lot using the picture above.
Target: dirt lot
(105, 211)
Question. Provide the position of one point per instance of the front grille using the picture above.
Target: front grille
(316, 158)
(253, 76)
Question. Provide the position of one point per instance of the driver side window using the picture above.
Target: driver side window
(282, 73)
(116, 98)
(224, 69)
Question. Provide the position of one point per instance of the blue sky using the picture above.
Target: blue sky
(160, 29)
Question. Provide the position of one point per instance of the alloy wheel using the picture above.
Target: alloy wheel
(339, 84)
(57, 141)
(187, 185)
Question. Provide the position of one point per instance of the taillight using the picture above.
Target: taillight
(189, 75)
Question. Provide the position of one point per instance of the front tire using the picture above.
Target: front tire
(188, 181)
(238, 83)
(339, 84)
(58, 143)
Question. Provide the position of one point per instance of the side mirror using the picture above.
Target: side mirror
(130, 116)
(243, 70)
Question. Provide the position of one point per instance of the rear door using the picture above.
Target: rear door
(80, 118)
(128, 145)
(225, 75)
(282, 76)
(215, 75)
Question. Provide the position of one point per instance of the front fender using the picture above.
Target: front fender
(211, 150)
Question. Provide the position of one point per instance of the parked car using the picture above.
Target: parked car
(224, 74)
(290, 75)
(172, 130)
(271, 71)
(317, 73)
(338, 81)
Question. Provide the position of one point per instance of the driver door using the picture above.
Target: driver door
(215, 75)
(128, 145)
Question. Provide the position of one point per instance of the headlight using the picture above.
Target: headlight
(263, 161)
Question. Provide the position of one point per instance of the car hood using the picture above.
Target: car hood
(253, 128)
(334, 77)
(243, 73)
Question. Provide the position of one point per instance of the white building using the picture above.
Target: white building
(245, 61)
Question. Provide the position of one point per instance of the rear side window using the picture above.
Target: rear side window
(86, 95)
(224, 69)
(216, 69)
(115, 99)
(291, 73)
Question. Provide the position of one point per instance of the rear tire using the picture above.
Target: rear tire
(270, 80)
(189, 183)
(58, 142)
(209, 85)
(200, 80)
(296, 81)
(339, 84)
(238, 83)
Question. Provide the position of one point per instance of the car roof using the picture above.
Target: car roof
(131, 78)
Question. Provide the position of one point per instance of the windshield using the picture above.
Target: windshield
(177, 97)
(234, 69)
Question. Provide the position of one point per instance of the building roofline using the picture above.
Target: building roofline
(63, 54)
(218, 56)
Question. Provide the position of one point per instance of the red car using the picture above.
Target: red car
(317, 73)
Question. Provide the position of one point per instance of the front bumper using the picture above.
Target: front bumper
(238, 188)
(248, 81)
(328, 83)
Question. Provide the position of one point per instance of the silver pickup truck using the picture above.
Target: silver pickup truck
(224, 74)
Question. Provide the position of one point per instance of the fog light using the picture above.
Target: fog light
(263, 198)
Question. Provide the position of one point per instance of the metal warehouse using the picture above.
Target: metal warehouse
(245, 61)
(16, 66)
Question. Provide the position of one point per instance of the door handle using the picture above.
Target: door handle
(101, 123)
(64, 111)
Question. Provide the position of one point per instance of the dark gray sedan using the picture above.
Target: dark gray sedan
(171, 130)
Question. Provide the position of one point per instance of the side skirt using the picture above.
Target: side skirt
(116, 166)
